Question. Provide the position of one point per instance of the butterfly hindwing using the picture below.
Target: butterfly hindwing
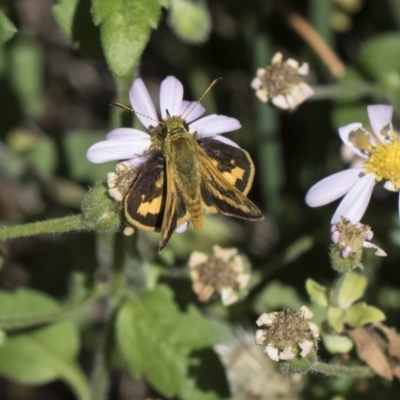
(234, 163)
(145, 201)
(220, 187)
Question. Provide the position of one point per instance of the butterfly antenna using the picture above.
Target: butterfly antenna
(124, 107)
(213, 83)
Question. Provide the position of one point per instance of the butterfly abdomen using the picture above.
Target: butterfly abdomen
(187, 175)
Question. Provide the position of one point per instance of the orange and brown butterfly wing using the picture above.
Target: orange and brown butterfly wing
(227, 176)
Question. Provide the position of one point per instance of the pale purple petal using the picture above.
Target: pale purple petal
(138, 160)
(333, 187)
(191, 110)
(380, 115)
(214, 125)
(171, 95)
(117, 149)
(355, 202)
(345, 132)
(142, 103)
(129, 133)
(225, 140)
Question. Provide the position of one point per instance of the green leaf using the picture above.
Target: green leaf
(7, 29)
(380, 55)
(277, 295)
(337, 343)
(64, 12)
(350, 289)
(75, 19)
(190, 20)
(157, 340)
(44, 355)
(25, 64)
(125, 30)
(361, 314)
(24, 308)
(335, 318)
(318, 294)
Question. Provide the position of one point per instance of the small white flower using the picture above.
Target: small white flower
(380, 151)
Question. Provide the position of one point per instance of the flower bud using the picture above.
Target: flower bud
(100, 212)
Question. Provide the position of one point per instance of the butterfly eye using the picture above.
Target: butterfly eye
(164, 131)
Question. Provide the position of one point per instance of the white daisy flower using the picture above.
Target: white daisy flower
(380, 150)
(134, 145)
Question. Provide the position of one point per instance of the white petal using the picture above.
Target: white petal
(138, 160)
(281, 102)
(345, 132)
(142, 103)
(355, 203)
(380, 115)
(225, 140)
(182, 227)
(266, 319)
(378, 251)
(195, 110)
(228, 296)
(333, 187)
(117, 149)
(214, 125)
(260, 336)
(388, 185)
(129, 133)
(272, 352)
(287, 354)
(171, 95)
(306, 346)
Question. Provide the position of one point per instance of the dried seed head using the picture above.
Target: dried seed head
(225, 272)
(282, 82)
(288, 335)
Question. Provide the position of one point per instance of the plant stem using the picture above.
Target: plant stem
(340, 370)
(101, 374)
(56, 225)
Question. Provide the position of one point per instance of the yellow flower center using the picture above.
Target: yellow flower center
(384, 163)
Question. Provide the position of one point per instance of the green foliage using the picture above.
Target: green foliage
(158, 341)
(25, 308)
(351, 288)
(362, 314)
(380, 57)
(44, 355)
(276, 296)
(75, 19)
(190, 20)
(125, 29)
(7, 29)
(318, 294)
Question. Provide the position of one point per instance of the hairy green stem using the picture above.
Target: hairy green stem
(56, 225)
(340, 370)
